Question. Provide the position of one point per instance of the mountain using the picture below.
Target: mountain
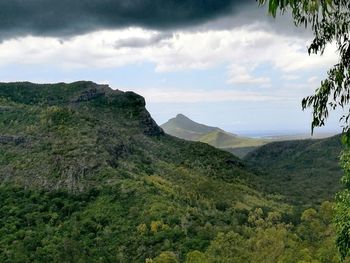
(304, 172)
(87, 175)
(184, 128)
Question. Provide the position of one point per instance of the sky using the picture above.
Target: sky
(224, 63)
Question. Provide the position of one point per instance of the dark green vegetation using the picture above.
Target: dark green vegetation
(342, 215)
(87, 176)
(135, 223)
(304, 172)
(184, 128)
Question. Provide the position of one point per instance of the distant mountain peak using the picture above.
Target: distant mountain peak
(183, 127)
(181, 116)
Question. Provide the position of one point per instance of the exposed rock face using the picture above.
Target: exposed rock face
(128, 99)
(71, 172)
(150, 126)
(90, 94)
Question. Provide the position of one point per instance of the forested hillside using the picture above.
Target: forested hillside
(304, 172)
(88, 176)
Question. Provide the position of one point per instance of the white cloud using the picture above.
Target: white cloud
(191, 96)
(184, 50)
(239, 74)
(313, 80)
(290, 77)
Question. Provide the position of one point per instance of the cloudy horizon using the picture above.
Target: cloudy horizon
(224, 63)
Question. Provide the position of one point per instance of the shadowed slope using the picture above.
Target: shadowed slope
(305, 171)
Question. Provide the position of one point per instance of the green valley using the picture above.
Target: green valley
(88, 176)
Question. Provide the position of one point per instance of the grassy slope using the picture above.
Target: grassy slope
(184, 128)
(305, 171)
(221, 139)
(87, 174)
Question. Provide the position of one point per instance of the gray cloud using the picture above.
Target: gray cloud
(138, 42)
(66, 18)
(250, 15)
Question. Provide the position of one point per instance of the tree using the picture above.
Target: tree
(166, 257)
(196, 257)
(343, 209)
(227, 248)
(329, 21)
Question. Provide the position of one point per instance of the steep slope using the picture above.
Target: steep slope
(184, 128)
(87, 175)
(304, 171)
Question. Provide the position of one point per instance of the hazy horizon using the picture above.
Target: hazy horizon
(259, 133)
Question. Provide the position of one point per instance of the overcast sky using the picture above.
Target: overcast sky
(224, 63)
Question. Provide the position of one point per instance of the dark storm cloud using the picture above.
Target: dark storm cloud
(73, 17)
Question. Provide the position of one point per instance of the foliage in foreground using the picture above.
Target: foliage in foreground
(342, 218)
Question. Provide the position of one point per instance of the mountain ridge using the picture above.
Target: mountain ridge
(86, 175)
(185, 128)
(84, 165)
